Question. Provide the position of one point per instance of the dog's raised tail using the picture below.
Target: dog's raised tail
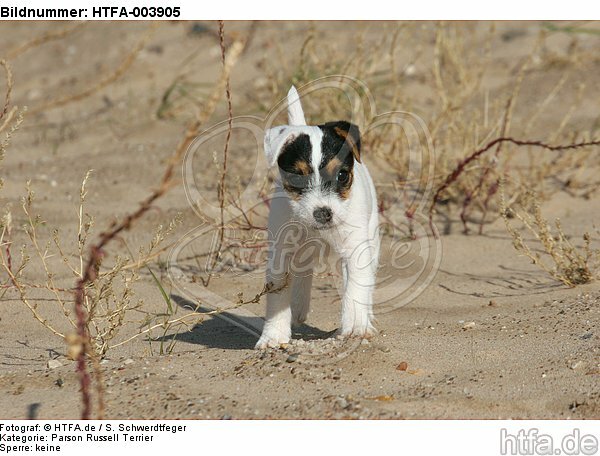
(295, 112)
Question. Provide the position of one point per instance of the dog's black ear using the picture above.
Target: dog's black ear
(275, 140)
(349, 133)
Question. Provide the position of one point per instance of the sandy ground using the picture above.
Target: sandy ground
(492, 336)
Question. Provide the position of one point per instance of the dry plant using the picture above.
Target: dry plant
(81, 344)
(554, 252)
(221, 188)
(102, 298)
(474, 192)
(103, 293)
(11, 118)
(107, 299)
(186, 92)
(463, 114)
(463, 164)
(233, 212)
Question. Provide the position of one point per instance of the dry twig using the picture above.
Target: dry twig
(96, 252)
(458, 170)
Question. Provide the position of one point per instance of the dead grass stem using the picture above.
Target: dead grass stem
(43, 39)
(9, 87)
(96, 252)
(104, 81)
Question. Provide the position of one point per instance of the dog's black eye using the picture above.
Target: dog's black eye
(343, 176)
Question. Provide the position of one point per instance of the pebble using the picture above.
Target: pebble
(410, 70)
(402, 366)
(292, 358)
(53, 364)
(128, 361)
(577, 365)
(342, 402)
(469, 325)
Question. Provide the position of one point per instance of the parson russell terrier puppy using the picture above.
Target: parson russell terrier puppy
(324, 186)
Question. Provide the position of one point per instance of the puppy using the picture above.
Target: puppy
(324, 185)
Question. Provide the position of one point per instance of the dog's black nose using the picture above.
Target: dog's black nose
(322, 215)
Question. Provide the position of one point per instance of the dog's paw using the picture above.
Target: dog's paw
(299, 319)
(272, 339)
(363, 332)
(300, 311)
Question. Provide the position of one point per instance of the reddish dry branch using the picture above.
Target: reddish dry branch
(221, 190)
(96, 253)
(89, 275)
(491, 192)
(229, 128)
(462, 165)
(82, 372)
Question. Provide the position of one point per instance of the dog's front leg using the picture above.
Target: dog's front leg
(277, 329)
(357, 301)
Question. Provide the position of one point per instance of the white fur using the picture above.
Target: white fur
(295, 112)
(354, 237)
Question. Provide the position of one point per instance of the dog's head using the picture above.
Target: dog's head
(316, 165)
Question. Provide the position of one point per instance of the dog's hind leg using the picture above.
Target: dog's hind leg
(301, 287)
(302, 269)
(359, 278)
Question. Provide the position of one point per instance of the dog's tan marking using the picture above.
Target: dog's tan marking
(292, 192)
(302, 167)
(353, 146)
(332, 167)
(345, 190)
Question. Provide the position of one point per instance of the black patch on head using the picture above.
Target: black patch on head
(294, 164)
(340, 146)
